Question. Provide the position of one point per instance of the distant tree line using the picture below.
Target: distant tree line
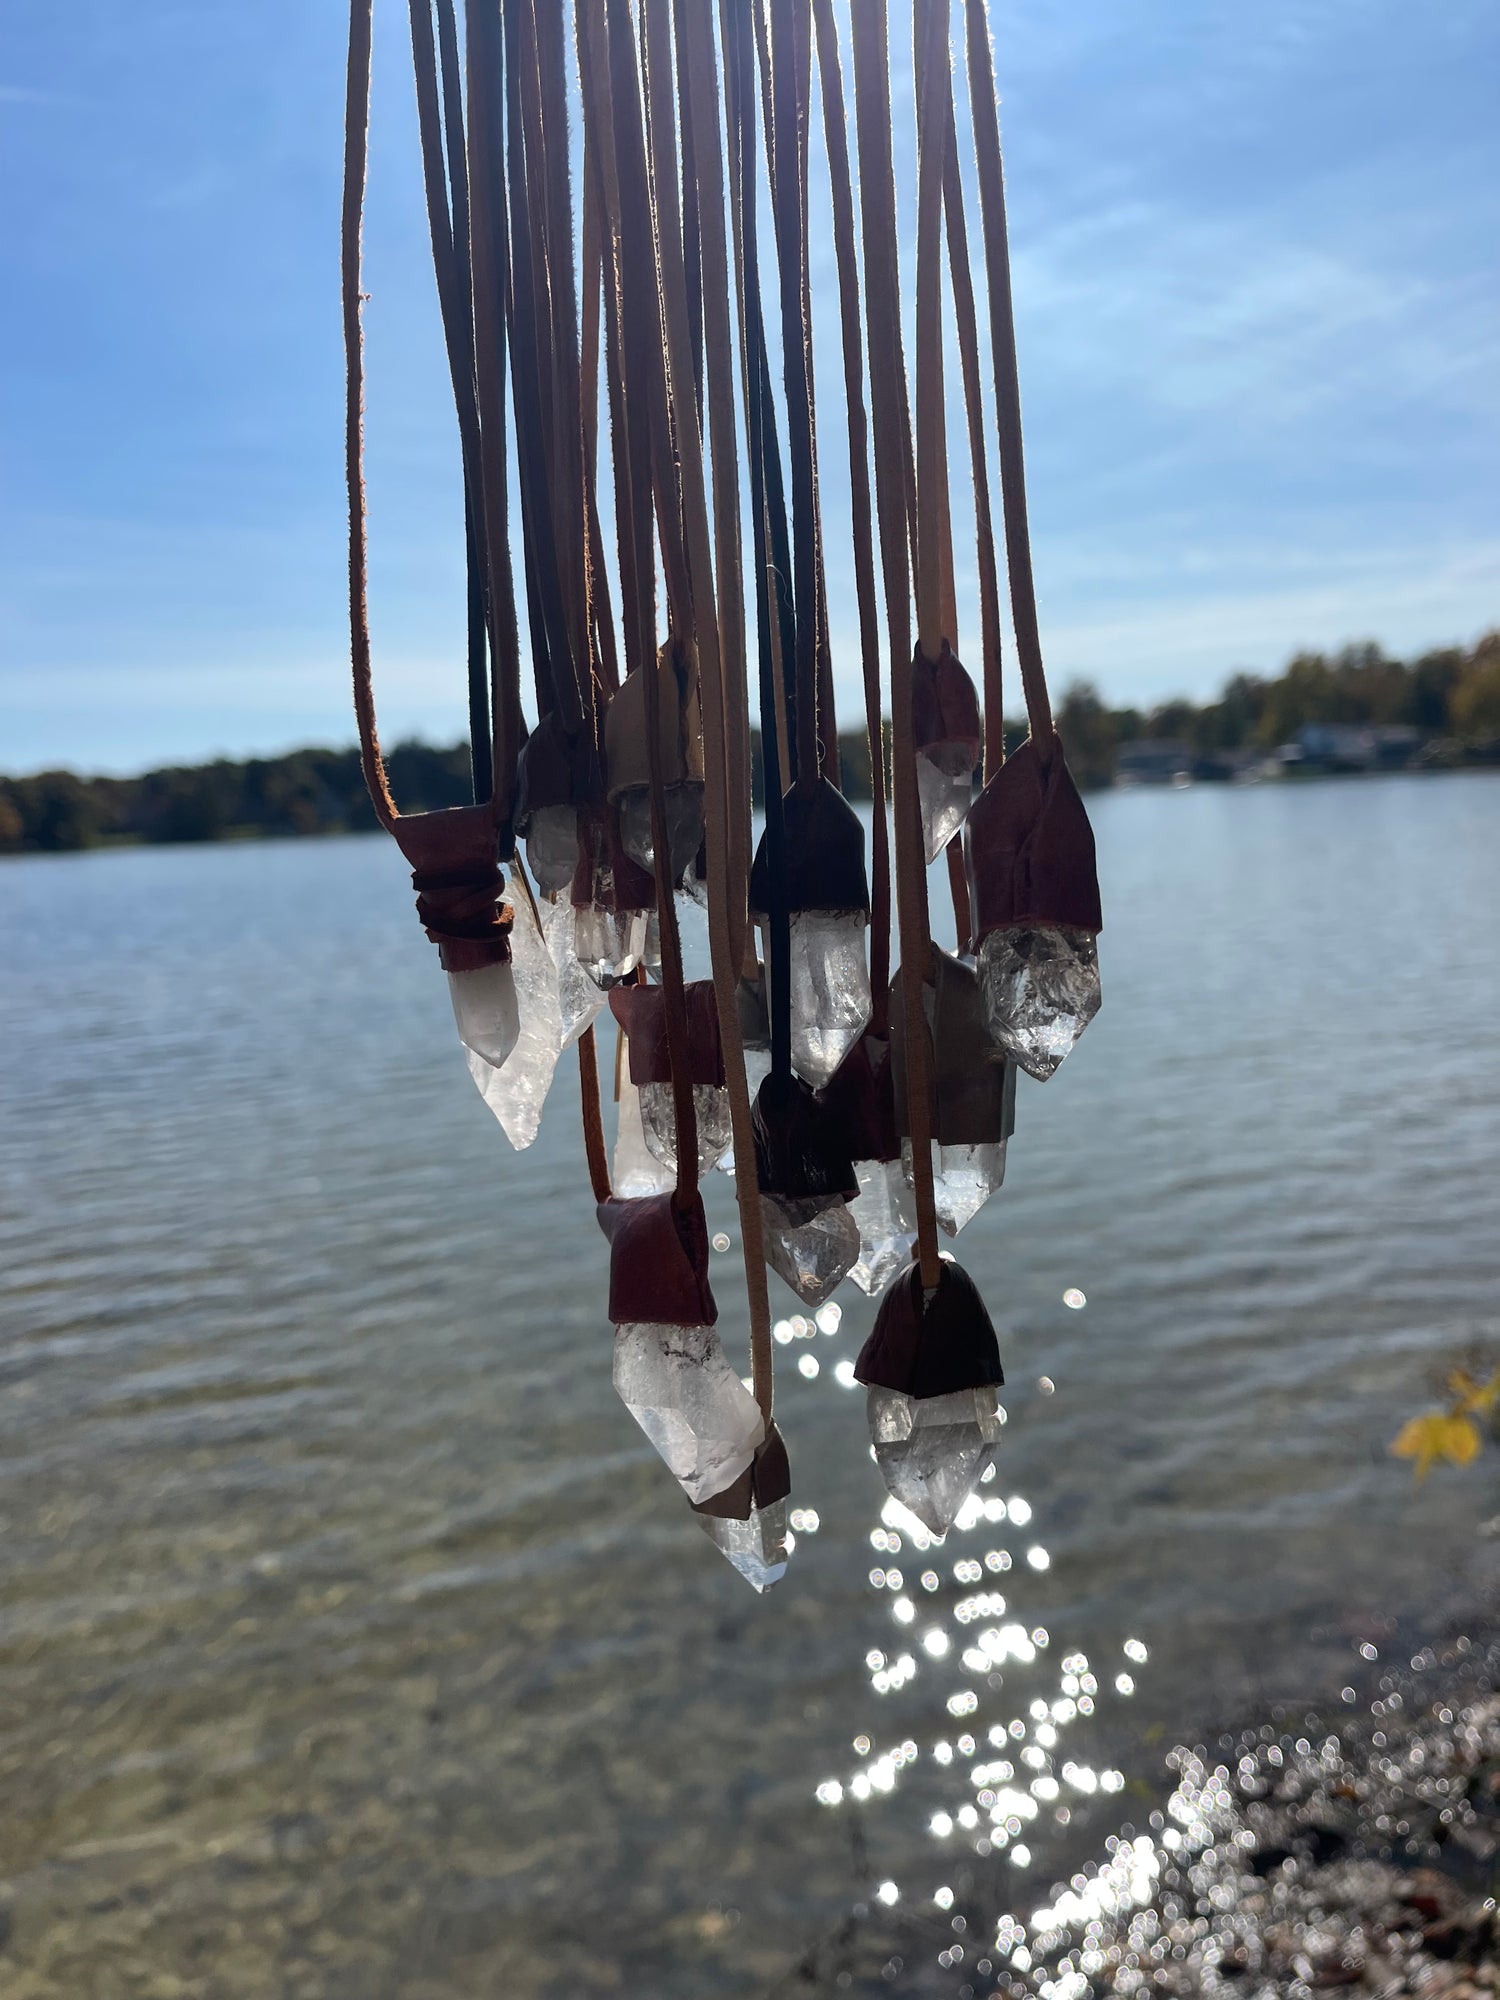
(1452, 697)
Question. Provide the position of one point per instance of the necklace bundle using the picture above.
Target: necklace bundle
(861, 1115)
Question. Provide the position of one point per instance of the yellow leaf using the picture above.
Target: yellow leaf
(1420, 1438)
(1436, 1436)
(1460, 1441)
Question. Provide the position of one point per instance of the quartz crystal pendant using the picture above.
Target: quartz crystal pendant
(933, 1450)
(580, 999)
(678, 1385)
(1040, 990)
(659, 1123)
(484, 1006)
(882, 1213)
(830, 988)
(963, 1179)
(608, 943)
(552, 847)
(756, 1546)
(516, 1091)
(684, 813)
(812, 1244)
(945, 787)
(636, 1169)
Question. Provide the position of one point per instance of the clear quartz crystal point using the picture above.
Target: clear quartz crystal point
(659, 1122)
(830, 989)
(636, 1170)
(552, 847)
(484, 1006)
(517, 1090)
(580, 999)
(812, 1245)
(684, 813)
(608, 943)
(1040, 990)
(945, 791)
(756, 1546)
(934, 1450)
(883, 1215)
(678, 1385)
(963, 1179)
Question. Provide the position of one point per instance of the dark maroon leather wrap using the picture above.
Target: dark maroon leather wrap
(1029, 849)
(933, 1350)
(642, 1012)
(658, 1261)
(944, 704)
(455, 870)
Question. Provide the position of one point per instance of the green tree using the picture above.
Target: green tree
(1430, 682)
(1088, 733)
(1474, 705)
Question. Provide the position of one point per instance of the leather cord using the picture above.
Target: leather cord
(984, 528)
(888, 408)
(784, 149)
(356, 152)
(836, 139)
(991, 176)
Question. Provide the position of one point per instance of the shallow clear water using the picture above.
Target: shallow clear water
(352, 1640)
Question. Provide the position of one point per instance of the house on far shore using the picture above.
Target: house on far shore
(1356, 746)
(1163, 760)
(1154, 761)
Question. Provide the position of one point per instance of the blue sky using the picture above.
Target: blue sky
(1260, 343)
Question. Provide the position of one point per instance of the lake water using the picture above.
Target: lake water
(352, 1640)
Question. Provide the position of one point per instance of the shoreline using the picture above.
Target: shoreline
(251, 835)
(1355, 1851)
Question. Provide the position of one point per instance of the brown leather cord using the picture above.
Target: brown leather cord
(570, 492)
(991, 175)
(888, 397)
(935, 527)
(783, 149)
(774, 616)
(698, 87)
(595, 1150)
(635, 187)
(356, 151)
(836, 139)
(481, 743)
(958, 888)
(984, 529)
(643, 371)
(717, 797)
(444, 177)
(632, 451)
(601, 616)
(829, 759)
(489, 262)
(557, 674)
(932, 442)
(692, 220)
(738, 695)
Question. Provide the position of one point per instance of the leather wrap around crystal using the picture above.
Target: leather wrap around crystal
(946, 733)
(642, 1014)
(670, 1369)
(932, 1368)
(973, 1094)
(828, 897)
(806, 1179)
(1034, 894)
